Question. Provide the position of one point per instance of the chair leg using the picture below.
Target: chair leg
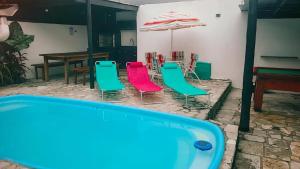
(186, 100)
(76, 74)
(43, 73)
(141, 96)
(195, 75)
(118, 70)
(185, 73)
(102, 95)
(84, 78)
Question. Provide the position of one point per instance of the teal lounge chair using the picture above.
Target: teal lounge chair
(173, 78)
(107, 77)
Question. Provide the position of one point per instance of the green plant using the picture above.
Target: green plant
(12, 66)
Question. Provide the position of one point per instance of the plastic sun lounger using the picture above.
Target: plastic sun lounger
(139, 78)
(173, 78)
(107, 77)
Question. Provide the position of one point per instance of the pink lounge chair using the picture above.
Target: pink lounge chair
(139, 78)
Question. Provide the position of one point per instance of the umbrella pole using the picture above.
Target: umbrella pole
(171, 42)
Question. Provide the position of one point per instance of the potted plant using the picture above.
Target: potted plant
(12, 66)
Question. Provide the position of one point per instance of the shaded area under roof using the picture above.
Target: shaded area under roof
(44, 3)
(275, 8)
(66, 11)
(144, 2)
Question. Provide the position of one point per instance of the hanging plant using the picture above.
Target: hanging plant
(12, 66)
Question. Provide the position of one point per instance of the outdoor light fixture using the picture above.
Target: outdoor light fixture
(5, 11)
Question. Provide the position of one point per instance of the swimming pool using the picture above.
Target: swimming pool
(55, 133)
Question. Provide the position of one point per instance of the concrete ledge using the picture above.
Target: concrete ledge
(216, 107)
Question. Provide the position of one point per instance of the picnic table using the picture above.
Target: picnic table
(67, 58)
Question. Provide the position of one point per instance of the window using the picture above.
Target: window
(106, 40)
(128, 38)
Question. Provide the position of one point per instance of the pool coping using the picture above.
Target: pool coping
(230, 131)
(192, 121)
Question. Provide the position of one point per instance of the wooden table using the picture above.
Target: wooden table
(67, 58)
(274, 79)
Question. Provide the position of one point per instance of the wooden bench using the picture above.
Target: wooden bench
(52, 64)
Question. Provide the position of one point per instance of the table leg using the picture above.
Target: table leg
(46, 69)
(76, 74)
(36, 72)
(258, 96)
(43, 73)
(66, 71)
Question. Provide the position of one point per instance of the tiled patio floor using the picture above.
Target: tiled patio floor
(274, 139)
(170, 102)
(174, 103)
(272, 143)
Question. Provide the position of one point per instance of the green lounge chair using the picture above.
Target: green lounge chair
(107, 77)
(173, 78)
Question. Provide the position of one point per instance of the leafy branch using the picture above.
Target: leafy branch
(12, 66)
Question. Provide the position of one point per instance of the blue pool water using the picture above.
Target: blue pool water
(53, 133)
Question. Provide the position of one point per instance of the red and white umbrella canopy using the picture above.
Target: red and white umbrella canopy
(171, 21)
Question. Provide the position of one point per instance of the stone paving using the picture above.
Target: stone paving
(227, 116)
(197, 107)
(274, 138)
(272, 143)
(170, 102)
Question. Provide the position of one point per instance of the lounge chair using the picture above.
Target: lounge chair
(107, 77)
(178, 56)
(139, 78)
(151, 64)
(192, 65)
(173, 78)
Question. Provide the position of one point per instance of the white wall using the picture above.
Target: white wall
(222, 42)
(278, 37)
(52, 38)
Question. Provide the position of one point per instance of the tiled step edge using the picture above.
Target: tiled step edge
(216, 107)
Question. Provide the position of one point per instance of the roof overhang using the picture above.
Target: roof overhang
(47, 3)
(275, 8)
(66, 11)
(111, 4)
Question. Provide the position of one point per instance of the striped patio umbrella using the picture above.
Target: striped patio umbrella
(171, 21)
